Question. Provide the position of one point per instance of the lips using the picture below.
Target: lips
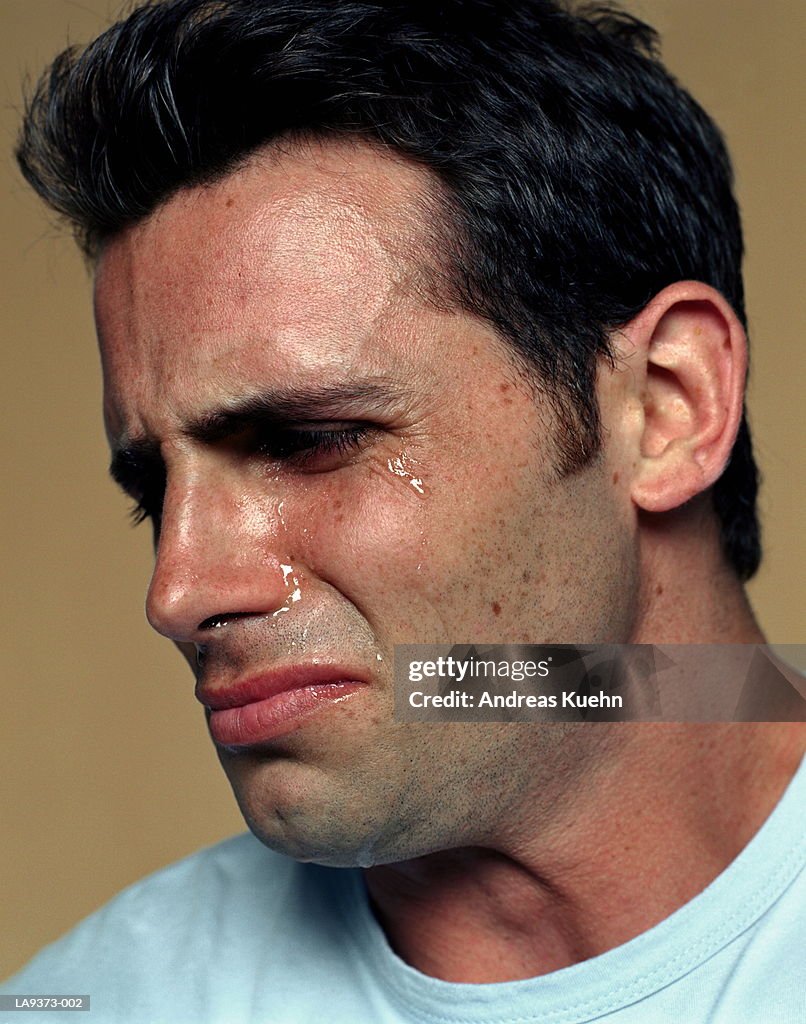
(264, 707)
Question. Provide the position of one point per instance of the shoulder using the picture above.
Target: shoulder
(211, 915)
(165, 900)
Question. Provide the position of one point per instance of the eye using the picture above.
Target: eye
(310, 449)
(323, 447)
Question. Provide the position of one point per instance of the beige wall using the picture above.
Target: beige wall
(107, 772)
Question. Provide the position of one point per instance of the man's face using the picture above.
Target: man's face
(389, 478)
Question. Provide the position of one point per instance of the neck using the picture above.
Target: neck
(688, 593)
(649, 830)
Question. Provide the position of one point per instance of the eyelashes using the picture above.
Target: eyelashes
(312, 450)
(149, 504)
(300, 446)
(138, 513)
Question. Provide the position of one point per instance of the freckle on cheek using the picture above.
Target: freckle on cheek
(496, 607)
(615, 478)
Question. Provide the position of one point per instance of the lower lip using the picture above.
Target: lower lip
(264, 720)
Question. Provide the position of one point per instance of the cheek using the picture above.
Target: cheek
(440, 562)
(370, 534)
(493, 566)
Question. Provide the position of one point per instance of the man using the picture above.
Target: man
(419, 324)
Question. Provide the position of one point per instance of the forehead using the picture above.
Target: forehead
(315, 250)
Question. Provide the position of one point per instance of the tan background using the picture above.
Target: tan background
(107, 771)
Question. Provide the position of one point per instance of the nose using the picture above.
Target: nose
(219, 555)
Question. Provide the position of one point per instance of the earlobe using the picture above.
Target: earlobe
(690, 351)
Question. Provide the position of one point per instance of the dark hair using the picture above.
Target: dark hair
(579, 178)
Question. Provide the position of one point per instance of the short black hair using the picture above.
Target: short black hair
(580, 178)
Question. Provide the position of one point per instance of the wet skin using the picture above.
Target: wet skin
(424, 507)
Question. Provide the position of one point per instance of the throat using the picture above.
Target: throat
(470, 932)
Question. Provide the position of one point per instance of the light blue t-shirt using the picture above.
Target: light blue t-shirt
(238, 934)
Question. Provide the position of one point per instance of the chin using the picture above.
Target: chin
(319, 814)
(296, 819)
(346, 836)
(328, 843)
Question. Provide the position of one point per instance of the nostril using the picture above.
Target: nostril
(221, 619)
(214, 622)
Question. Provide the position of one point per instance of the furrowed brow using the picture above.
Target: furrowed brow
(298, 405)
(135, 461)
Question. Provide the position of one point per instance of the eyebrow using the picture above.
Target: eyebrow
(133, 458)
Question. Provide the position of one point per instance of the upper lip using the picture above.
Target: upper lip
(278, 680)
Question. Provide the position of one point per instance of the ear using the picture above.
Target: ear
(688, 354)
